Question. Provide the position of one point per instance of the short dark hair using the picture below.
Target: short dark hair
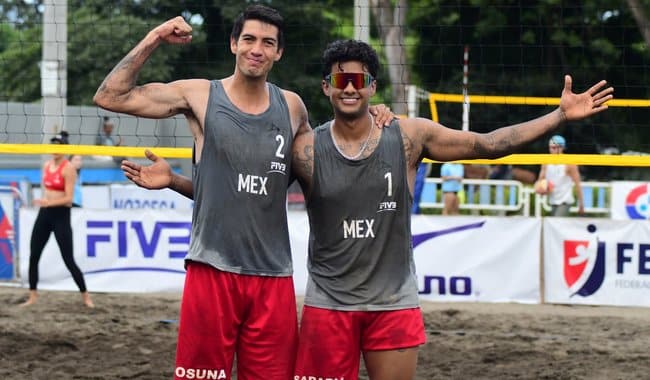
(342, 51)
(261, 13)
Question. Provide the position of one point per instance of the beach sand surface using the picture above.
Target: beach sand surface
(133, 336)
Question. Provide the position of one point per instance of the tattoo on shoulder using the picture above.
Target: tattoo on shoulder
(408, 147)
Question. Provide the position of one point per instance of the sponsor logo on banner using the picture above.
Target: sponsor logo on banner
(584, 264)
(129, 239)
(134, 197)
(637, 202)
(444, 285)
(143, 203)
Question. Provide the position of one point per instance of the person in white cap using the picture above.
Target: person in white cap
(558, 181)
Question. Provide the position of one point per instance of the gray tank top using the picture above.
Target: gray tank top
(239, 222)
(360, 251)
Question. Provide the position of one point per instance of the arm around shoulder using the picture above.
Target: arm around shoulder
(303, 160)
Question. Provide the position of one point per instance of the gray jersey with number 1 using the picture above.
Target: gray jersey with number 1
(239, 222)
(360, 250)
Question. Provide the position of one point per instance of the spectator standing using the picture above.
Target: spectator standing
(106, 136)
(558, 182)
(452, 175)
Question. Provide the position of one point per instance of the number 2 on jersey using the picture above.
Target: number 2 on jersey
(280, 139)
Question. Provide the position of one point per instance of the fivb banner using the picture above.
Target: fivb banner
(117, 250)
(457, 258)
(134, 197)
(483, 259)
(597, 261)
(630, 200)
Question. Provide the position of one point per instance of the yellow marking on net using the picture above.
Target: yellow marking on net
(94, 150)
(514, 159)
(576, 159)
(516, 100)
(526, 100)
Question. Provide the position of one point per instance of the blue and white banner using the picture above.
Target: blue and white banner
(487, 259)
(117, 250)
(630, 200)
(482, 259)
(597, 261)
(131, 196)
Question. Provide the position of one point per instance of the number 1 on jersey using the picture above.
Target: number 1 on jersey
(389, 178)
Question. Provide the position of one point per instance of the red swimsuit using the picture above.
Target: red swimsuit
(53, 180)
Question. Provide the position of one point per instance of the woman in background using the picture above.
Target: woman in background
(58, 181)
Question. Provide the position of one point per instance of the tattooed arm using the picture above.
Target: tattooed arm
(118, 92)
(303, 160)
(434, 141)
(427, 139)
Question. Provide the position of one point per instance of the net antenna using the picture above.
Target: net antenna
(465, 95)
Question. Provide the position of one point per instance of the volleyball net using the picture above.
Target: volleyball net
(508, 60)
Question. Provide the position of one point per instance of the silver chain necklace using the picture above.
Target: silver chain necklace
(363, 146)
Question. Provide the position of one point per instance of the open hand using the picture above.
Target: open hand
(158, 175)
(590, 102)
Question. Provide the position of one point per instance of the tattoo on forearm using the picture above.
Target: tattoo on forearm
(499, 142)
(129, 66)
(305, 161)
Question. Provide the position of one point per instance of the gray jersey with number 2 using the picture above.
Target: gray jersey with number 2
(239, 222)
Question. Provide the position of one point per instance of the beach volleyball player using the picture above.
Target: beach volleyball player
(358, 182)
(57, 185)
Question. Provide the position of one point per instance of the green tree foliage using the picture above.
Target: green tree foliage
(525, 48)
(20, 52)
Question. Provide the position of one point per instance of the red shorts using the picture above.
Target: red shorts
(223, 314)
(330, 341)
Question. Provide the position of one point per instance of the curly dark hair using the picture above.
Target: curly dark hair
(341, 51)
(261, 13)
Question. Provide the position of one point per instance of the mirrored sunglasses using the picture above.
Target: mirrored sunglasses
(341, 80)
